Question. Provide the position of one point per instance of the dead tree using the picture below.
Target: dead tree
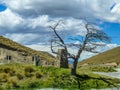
(59, 42)
(88, 42)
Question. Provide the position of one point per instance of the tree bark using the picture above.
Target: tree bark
(74, 67)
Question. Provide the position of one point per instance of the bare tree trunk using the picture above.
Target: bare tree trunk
(74, 67)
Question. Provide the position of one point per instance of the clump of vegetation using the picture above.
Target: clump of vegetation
(19, 76)
(102, 69)
(38, 75)
(7, 70)
(25, 76)
(98, 68)
(29, 69)
(12, 82)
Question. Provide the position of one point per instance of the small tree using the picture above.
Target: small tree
(88, 42)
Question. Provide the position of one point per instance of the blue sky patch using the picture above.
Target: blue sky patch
(113, 30)
(2, 7)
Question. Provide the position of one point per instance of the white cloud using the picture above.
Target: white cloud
(111, 46)
(26, 21)
(100, 49)
(30, 16)
(39, 21)
(25, 39)
(46, 48)
(9, 19)
(106, 47)
(84, 55)
(97, 9)
(40, 47)
(13, 25)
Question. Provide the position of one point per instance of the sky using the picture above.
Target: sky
(27, 21)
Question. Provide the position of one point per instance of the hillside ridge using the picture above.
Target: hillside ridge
(10, 44)
(110, 56)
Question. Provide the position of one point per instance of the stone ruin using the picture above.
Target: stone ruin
(62, 60)
(36, 60)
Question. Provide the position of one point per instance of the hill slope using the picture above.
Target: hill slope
(109, 56)
(18, 47)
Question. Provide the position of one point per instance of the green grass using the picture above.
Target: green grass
(16, 76)
(97, 68)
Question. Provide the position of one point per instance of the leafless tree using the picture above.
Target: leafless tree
(88, 42)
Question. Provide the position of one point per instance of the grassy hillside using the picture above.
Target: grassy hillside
(22, 77)
(110, 56)
(18, 47)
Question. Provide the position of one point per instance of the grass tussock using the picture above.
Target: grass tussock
(16, 76)
(97, 68)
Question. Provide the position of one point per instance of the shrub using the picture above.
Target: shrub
(29, 69)
(27, 74)
(3, 77)
(93, 83)
(1, 70)
(13, 82)
(19, 76)
(12, 73)
(30, 83)
(7, 70)
(102, 69)
(34, 84)
(38, 75)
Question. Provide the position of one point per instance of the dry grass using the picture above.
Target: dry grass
(110, 56)
(26, 76)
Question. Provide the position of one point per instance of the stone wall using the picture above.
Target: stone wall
(10, 56)
(62, 60)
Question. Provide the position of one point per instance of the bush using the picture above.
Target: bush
(12, 73)
(3, 77)
(93, 83)
(29, 69)
(13, 82)
(19, 76)
(34, 84)
(102, 69)
(30, 83)
(7, 70)
(38, 75)
(27, 74)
